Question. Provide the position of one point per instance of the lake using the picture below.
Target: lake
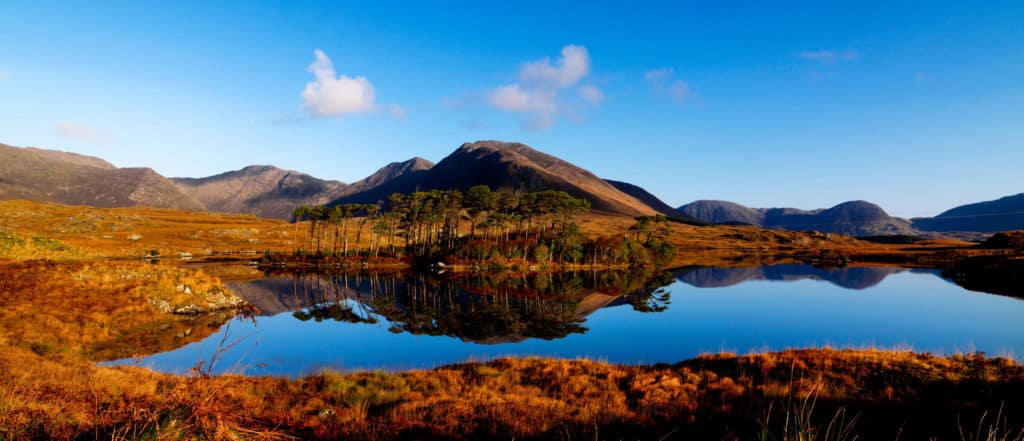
(394, 322)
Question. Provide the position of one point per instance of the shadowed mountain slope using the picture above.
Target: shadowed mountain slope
(1003, 214)
(261, 190)
(390, 172)
(722, 212)
(507, 167)
(646, 197)
(67, 178)
(857, 218)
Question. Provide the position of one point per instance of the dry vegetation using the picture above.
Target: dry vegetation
(61, 314)
(887, 395)
(33, 230)
(75, 232)
(103, 310)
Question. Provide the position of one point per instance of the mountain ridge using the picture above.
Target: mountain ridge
(73, 179)
(856, 218)
(505, 166)
(1003, 214)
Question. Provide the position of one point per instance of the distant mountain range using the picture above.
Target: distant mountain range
(268, 191)
(992, 216)
(856, 218)
(68, 178)
(862, 218)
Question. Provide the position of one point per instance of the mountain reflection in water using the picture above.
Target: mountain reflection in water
(482, 309)
(404, 321)
(847, 277)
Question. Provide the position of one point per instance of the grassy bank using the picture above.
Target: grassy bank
(786, 395)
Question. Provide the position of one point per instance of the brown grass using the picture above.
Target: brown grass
(60, 316)
(53, 231)
(710, 397)
(103, 310)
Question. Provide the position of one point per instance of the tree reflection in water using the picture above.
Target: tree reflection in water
(484, 308)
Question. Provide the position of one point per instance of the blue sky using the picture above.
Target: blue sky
(915, 106)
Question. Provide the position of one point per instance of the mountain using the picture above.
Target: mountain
(1003, 214)
(856, 218)
(391, 172)
(507, 167)
(261, 190)
(722, 212)
(646, 197)
(68, 178)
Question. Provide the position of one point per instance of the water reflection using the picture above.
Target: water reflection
(846, 277)
(402, 321)
(482, 309)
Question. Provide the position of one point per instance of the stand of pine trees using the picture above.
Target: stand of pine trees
(478, 225)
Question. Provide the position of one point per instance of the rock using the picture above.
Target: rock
(190, 310)
(134, 237)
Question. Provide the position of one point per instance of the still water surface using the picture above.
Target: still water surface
(391, 322)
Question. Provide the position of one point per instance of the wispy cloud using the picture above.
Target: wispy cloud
(473, 125)
(4, 76)
(826, 56)
(332, 95)
(79, 132)
(591, 94)
(664, 81)
(397, 112)
(537, 95)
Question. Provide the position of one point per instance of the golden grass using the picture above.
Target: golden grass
(60, 315)
(53, 231)
(90, 232)
(103, 310)
(506, 398)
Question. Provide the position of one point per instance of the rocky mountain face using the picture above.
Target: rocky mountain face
(1003, 214)
(68, 178)
(262, 190)
(507, 167)
(856, 218)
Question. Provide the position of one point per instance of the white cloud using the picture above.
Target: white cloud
(539, 102)
(80, 132)
(591, 94)
(573, 65)
(536, 94)
(397, 112)
(827, 56)
(664, 82)
(335, 96)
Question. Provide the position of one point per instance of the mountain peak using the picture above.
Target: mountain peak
(507, 166)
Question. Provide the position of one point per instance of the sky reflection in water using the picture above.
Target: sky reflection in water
(707, 310)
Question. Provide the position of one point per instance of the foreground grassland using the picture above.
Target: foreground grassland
(75, 291)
